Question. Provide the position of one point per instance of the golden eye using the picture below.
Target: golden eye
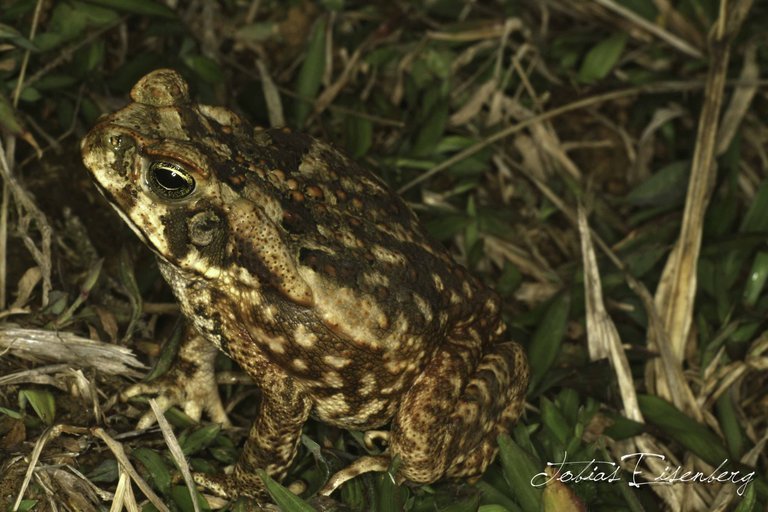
(169, 180)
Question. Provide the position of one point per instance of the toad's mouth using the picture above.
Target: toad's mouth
(126, 218)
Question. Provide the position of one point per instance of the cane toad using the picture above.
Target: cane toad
(318, 280)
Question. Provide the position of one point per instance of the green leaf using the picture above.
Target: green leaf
(311, 74)
(431, 131)
(205, 68)
(510, 280)
(438, 62)
(466, 504)
(70, 20)
(622, 427)
(157, 468)
(8, 121)
(447, 225)
(90, 281)
(200, 439)
(8, 32)
(471, 232)
(724, 211)
(570, 406)
(92, 56)
(106, 472)
(455, 143)
(756, 278)
(644, 8)
(729, 423)
(602, 57)
(285, 499)
(666, 187)
(26, 505)
(11, 413)
(545, 343)
(555, 422)
(749, 503)
(756, 218)
(145, 7)
(358, 135)
(643, 259)
(382, 55)
(94, 15)
(683, 429)
(30, 94)
(127, 275)
(333, 5)
(519, 469)
(498, 499)
(257, 32)
(42, 402)
(389, 496)
(181, 496)
(65, 24)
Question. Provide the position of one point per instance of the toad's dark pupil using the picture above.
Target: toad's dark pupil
(170, 179)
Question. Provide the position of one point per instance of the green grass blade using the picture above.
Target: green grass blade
(683, 429)
(311, 74)
(285, 499)
(518, 469)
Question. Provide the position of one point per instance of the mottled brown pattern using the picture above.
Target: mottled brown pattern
(318, 280)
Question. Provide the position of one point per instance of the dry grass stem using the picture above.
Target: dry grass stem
(672, 18)
(33, 458)
(677, 288)
(48, 435)
(40, 344)
(119, 453)
(333, 90)
(681, 393)
(489, 31)
(271, 96)
(656, 88)
(123, 486)
(652, 28)
(502, 250)
(4, 203)
(176, 452)
(640, 169)
(741, 100)
(602, 337)
(32, 212)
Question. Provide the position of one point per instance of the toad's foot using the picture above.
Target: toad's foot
(233, 486)
(190, 383)
(231, 489)
(362, 465)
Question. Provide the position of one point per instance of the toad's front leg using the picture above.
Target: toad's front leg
(190, 383)
(274, 436)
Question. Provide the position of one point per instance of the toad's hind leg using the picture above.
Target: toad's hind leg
(448, 422)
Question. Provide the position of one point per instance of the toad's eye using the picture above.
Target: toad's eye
(169, 180)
